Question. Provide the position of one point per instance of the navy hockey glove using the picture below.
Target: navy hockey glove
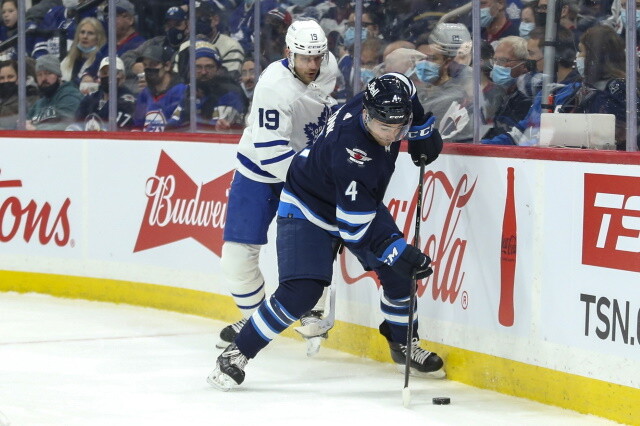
(405, 259)
(424, 141)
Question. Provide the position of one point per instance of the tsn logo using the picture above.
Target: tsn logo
(611, 225)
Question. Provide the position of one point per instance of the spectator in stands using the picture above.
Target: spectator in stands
(601, 61)
(248, 79)
(494, 21)
(527, 130)
(492, 95)
(9, 29)
(509, 62)
(370, 57)
(65, 19)
(89, 38)
(158, 106)
(241, 23)
(176, 28)
(58, 101)
(127, 38)
(93, 112)
(441, 94)
(527, 20)
(272, 35)
(220, 101)
(9, 92)
(230, 50)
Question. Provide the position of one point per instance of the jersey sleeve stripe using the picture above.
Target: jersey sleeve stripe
(250, 165)
(279, 158)
(354, 218)
(354, 237)
(288, 200)
(270, 143)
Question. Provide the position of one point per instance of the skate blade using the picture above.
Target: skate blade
(221, 381)
(222, 344)
(438, 374)
(313, 346)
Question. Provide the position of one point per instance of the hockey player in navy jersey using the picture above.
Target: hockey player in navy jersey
(291, 104)
(334, 191)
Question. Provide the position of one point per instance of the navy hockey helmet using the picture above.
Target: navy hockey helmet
(387, 99)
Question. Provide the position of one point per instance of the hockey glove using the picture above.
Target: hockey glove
(405, 259)
(424, 141)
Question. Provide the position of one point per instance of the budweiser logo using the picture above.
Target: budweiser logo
(446, 248)
(178, 208)
(31, 218)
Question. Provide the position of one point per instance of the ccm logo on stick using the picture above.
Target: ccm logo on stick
(611, 226)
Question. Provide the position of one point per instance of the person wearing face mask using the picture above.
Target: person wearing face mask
(158, 105)
(64, 17)
(439, 89)
(527, 20)
(508, 63)
(89, 38)
(209, 18)
(494, 21)
(58, 101)
(527, 131)
(9, 92)
(94, 108)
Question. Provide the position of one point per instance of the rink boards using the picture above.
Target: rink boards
(140, 222)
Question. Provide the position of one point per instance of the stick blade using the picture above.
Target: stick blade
(406, 397)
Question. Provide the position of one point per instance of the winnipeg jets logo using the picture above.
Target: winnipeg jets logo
(313, 130)
(358, 156)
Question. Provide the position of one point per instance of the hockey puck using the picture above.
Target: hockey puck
(442, 400)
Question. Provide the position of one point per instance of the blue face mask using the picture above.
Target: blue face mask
(427, 71)
(526, 28)
(350, 36)
(485, 17)
(580, 65)
(86, 49)
(501, 76)
(366, 75)
(623, 18)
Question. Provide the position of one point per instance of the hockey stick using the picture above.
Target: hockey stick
(325, 324)
(406, 392)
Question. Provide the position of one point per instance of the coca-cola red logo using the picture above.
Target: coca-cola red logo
(611, 227)
(28, 218)
(178, 208)
(445, 247)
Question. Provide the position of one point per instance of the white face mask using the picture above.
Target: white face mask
(70, 3)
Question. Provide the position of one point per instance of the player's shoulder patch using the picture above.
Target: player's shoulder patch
(357, 156)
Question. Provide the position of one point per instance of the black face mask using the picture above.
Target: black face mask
(104, 85)
(541, 19)
(8, 89)
(152, 75)
(50, 90)
(203, 27)
(175, 36)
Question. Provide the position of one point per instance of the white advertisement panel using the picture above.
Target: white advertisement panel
(535, 261)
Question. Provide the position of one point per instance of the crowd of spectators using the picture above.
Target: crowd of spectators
(430, 41)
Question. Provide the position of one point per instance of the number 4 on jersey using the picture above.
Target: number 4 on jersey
(351, 191)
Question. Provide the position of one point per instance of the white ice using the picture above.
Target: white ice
(74, 362)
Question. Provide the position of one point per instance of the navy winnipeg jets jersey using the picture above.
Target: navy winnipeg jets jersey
(339, 183)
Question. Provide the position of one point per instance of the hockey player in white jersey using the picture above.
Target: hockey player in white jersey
(291, 105)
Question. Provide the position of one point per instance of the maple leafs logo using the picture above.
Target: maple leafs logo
(178, 208)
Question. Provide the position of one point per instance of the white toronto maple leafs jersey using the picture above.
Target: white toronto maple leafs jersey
(286, 116)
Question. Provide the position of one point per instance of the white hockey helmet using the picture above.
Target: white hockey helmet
(306, 37)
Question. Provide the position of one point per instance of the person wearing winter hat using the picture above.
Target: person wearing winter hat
(58, 101)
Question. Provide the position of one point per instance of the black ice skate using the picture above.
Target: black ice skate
(423, 362)
(229, 371)
(229, 333)
(313, 343)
